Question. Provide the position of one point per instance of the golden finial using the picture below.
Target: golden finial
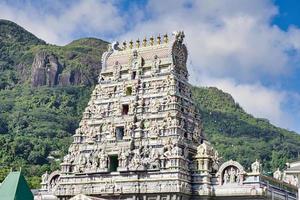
(124, 45)
(158, 39)
(151, 41)
(130, 44)
(144, 42)
(138, 43)
(166, 39)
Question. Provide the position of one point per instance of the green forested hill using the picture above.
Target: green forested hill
(14, 43)
(240, 136)
(36, 123)
(80, 60)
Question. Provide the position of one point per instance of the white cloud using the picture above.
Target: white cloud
(255, 98)
(261, 101)
(233, 46)
(226, 38)
(85, 16)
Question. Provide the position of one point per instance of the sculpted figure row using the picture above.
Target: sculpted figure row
(231, 175)
(143, 157)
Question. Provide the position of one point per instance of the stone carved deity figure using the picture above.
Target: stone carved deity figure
(123, 158)
(295, 181)
(255, 167)
(155, 162)
(233, 175)
(168, 148)
(238, 179)
(185, 152)
(141, 102)
(155, 106)
(205, 149)
(171, 81)
(110, 129)
(183, 123)
(80, 163)
(176, 150)
(95, 160)
(89, 158)
(102, 159)
(277, 174)
(155, 65)
(136, 159)
(45, 177)
(129, 129)
(154, 128)
(116, 72)
(216, 160)
(201, 150)
(136, 60)
(67, 158)
(226, 177)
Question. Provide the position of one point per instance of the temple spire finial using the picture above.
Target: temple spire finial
(145, 42)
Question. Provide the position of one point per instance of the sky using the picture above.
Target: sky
(250, 49)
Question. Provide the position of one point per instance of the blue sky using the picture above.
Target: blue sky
(250, 49)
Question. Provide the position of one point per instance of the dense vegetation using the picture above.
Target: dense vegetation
(14, 43)
(36, 124)
(18, 48)
(240, 136)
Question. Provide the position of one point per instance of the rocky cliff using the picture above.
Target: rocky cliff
(45, 70)
(26, 59)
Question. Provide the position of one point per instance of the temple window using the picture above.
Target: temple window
(185, 134)
(128, 91)
(113, 163)
(120, 132)
(133, 75)
(125, 109)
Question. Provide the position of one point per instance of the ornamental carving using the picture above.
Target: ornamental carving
(135, 60)
(155, 65)
(179, 51)
(256, 167)
(231, 172)
(117, 71)
(277, 174)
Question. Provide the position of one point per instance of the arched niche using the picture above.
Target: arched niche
(53, 179)
(231, 172)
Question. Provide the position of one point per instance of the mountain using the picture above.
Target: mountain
(44, 89)
(25, 59)
(240, 136)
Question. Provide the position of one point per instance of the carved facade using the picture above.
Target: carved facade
(141, 135)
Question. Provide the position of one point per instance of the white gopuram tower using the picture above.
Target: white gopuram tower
(140, 130)
(141, 136)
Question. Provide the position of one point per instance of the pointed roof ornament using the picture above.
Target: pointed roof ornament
(131, 44)
(138, 43)
(124, 45)
(144, 42)
(166, 39)
(151, 41)
(158, 39)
